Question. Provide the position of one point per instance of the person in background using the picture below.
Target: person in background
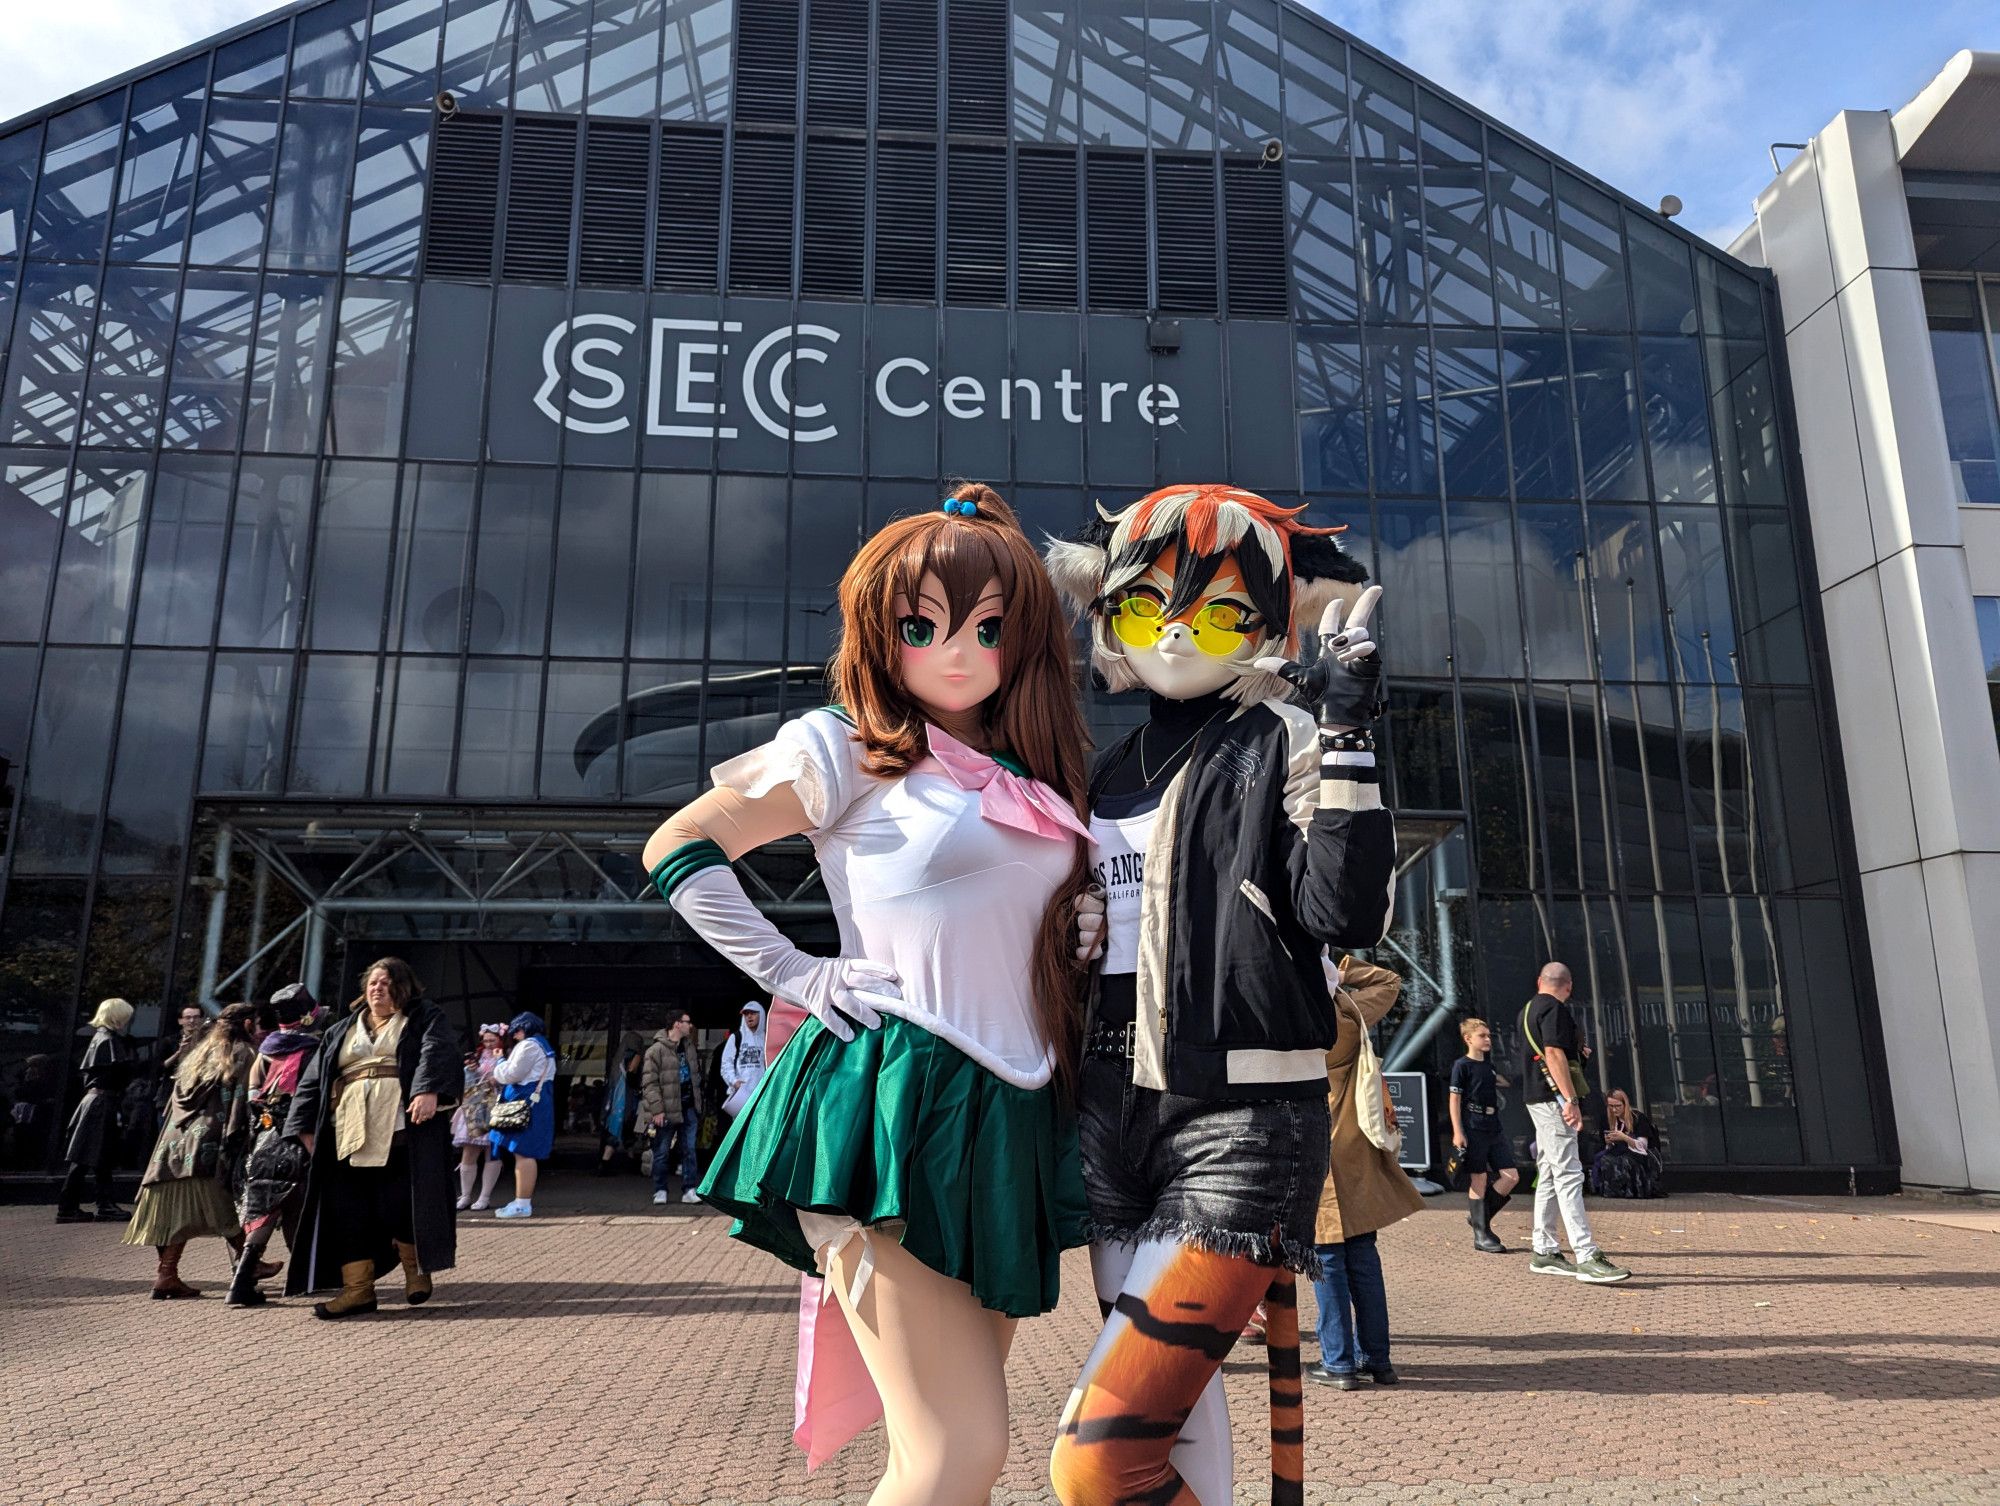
(1552, 1043)
(622, 1121)
(274, 1172)
(184, 1195)
(528, 1072)
(1629, 1164)
(469, 1126)
(1365, 1191)
(743, 1059)
(1475, 1129)
(193, 1020)
(670, 1102)
(109, 1062)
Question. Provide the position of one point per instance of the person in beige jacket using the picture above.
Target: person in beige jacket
(1365, 1191)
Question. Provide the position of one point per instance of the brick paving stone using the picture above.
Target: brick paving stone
(1768, 1352)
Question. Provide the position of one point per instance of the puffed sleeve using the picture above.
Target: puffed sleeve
(817, 754)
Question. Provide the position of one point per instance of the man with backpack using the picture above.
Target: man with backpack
(1552, 1046)
(743, 1059)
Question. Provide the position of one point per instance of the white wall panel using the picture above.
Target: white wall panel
(1906, 982)
(1871, 743)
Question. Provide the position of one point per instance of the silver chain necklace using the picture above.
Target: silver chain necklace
(1146, 779)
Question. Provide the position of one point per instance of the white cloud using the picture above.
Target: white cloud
(54, 50)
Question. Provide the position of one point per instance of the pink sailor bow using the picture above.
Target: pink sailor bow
(1005, 798)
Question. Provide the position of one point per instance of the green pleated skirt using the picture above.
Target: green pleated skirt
(897, 1125)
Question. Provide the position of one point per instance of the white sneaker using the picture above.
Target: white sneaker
(659, 1197)
(516, 1209)
(686, 1197)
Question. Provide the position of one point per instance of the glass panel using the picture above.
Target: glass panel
(1416, 615)
(354, 533)
(1662, 280)
(1785, 788)
(1403, 429)
(479, 51)
(694, 69)
(79, 167)
(336, 712)
(1504, 838)
(1112, 50)
(19, 155)
(624, 57)
(254, 64)
(66, 762)
(39, 936)
(579, 725)
(312, 188)
(184, 542)
(1676, 409)
(1747, 1019)
(510, 598)
(1424, 749)
(146, 819)
(1322, 229)
(663, 732)
(826, 531)
(1315, 72)
(100, 547)
(1573, 796)
(428, 605)
(370, 363)
(385, 220)
(548, 71)
(234, 193)
(162, 146)
(1458, 246)
(1333, 425)
(1247, 96)
(1555, 585)
(1485, 609)
(1701, 630)
(749, 594)
(1183, 94)
(326, 51)
(1385, 124)
(1965, 383)
(265, 582)
(1535, 372)
(1675, 1048)
(17, 705)
(1647, 800)
(1607, 417)
(244, 751)
(403, 51)
(1392, 242)
(500, 730)
(593, 564)
(211, 361)
(1045, 62)
(1593, 256)
(1524, 235)
(419, 713)
(52, 326)
(1987, 610)
(1718, 787)
(1771, 635)
(1472, 436)
(31, 512)
(740, 710)
(1630, 631)
(1744, 409)
(671, 608)
(135, 337)
(288, 379)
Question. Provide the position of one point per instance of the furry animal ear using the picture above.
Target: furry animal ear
(1077, 565)
(1320, 567)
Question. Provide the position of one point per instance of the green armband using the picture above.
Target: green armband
(683, 863)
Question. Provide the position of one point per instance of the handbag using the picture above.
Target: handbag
(1380, 1130)
(516, 1114)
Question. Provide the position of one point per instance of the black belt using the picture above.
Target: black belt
(1106, 1039)
(1475, 1108)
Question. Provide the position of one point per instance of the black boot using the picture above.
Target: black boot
(1482, 1234)
(69, 1201)
(107, 1198)
(243, 1290)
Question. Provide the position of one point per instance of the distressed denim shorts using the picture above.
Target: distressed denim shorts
(1238, 1178)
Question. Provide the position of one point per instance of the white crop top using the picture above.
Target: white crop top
(922, 882)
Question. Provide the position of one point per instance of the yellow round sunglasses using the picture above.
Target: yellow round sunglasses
(1220, 628)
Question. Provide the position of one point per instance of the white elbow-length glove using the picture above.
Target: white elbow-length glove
(839, 992)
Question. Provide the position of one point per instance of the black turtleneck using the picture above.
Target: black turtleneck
(1156, 752)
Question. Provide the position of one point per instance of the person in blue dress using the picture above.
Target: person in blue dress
(529, 1072)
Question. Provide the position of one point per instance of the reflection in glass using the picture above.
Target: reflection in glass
(1112, 50)
(254, 64)
(52, 325)
(1965, 383)
(1662, 280)
(1458, 246)
(548, 70)
(146, 817)
(244, 749)
(1593, 256)
(576, 765)
(1322, 234)
(662, 732)
(1648, 805)
(1535, 373)
(1315, 79)
(1555, 586)
(39, 935)
(31, 512)
(499, 728)
(1485, 609)
(288, 375)
(1504, 840)
(1333, 426)
(750, 528)
(66, 762)
(1246, 100)
(1472, 437)
(1718, 787)
(694, 69)
(370, 363)
(1747, 1015)
(1607, 418)
(1770, 629)
(1675, 1046)
(17, 705)
(211, 361)
(312, 190)
(624, 57)
(184, 543)
(235, 187)
(670, 615)
(1423, 757)
(419, 715)
(1045, 62)
(385, 218)
(326, 50)
(1183, 96)
(1416, 613)
(264, 583)
(107, 505)
(79, 164)
(1631, 632)
(479, 52)
(1701, 629)
(427, 606)
(1524, 236)
(1385, 120)
(403, 51)
(1744, 411)
(162, 147)
(135, 337)
(593, 564)
(1785, 792)
(1676, 420)
(19, 154)
(1391, 241)
(1403, 431)
(1574, 799)
(336, 714)
(355, 530)
(826, 530)
(510, 597)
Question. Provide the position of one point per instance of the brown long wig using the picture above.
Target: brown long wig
(223, 1053)
(403, 984)
(1034, 715)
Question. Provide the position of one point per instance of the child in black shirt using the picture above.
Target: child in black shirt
(1475, 1130)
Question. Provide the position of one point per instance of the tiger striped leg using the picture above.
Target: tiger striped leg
(1288, 1410)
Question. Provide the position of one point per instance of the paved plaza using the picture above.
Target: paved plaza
(608, 1354)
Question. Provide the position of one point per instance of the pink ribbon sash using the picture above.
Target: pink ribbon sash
(1005, 798)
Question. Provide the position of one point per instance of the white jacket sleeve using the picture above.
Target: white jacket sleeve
(527, 1062)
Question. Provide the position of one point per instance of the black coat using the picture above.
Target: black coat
(428, 1060)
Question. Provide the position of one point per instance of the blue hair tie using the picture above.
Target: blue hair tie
(958, 507)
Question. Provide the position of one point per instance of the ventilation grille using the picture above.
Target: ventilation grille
(541, 194)
(907, 97)
(1254, 201)
(977, 66)
(767, 60)
(906, 234)
(836, 231)
(617, 160)
(1045, 226)
(687, 235)
(837, 64)
(975, 240)
(465, 197)
(1184, 210)
(760, 215)
(1117, 190)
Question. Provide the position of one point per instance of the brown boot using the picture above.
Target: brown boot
(416, 1285)
(167, 1283)
(357, 1294)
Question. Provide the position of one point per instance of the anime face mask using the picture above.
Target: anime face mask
(1207, 645)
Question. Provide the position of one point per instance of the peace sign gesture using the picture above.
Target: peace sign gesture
(1345, 681)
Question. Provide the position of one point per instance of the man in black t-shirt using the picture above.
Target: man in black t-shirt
(1552, 1083)
(1488, 1158)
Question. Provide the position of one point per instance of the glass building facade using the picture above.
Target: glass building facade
(431, 432)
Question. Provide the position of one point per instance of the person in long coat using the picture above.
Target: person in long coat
(109, 1062)
(380, 1189)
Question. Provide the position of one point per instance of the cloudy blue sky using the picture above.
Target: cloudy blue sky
(1654, 96)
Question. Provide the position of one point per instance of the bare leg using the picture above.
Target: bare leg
(939, 1361)
(526, 1171)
